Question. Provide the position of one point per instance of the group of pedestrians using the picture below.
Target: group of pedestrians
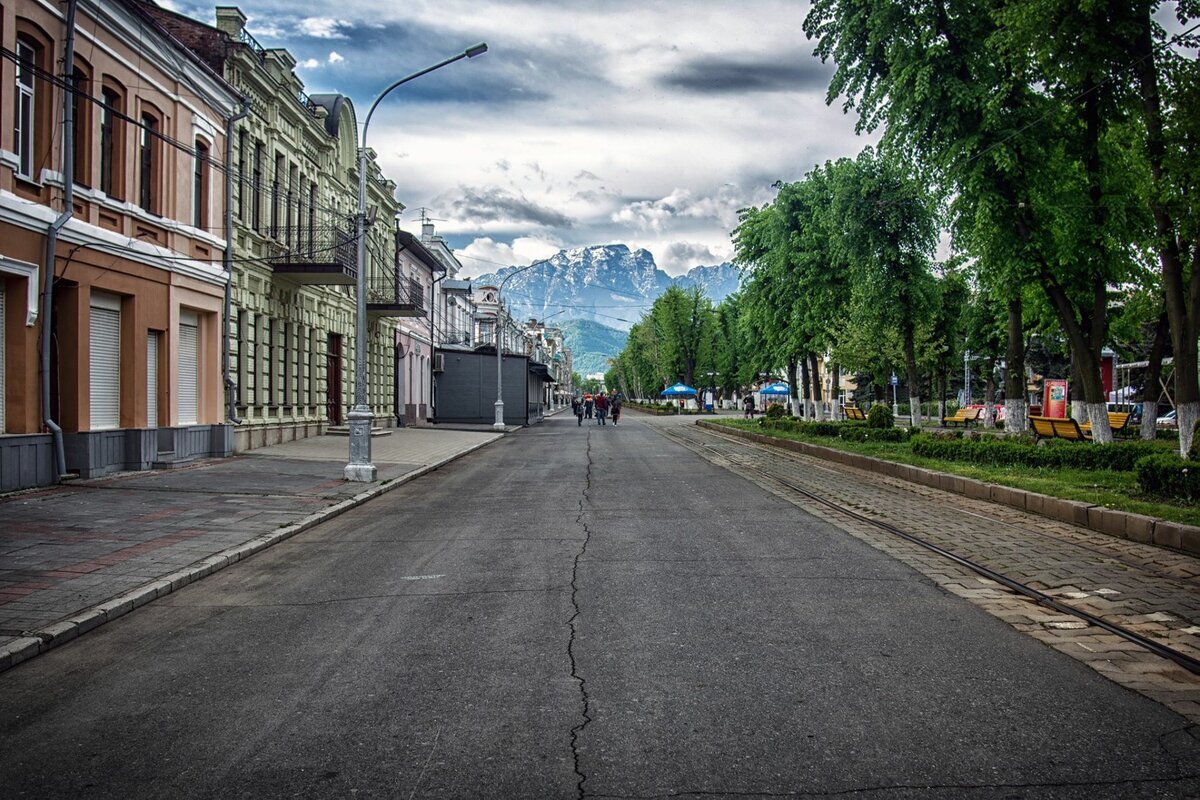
(598, 406)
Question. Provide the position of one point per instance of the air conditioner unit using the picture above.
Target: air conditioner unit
(439, 362)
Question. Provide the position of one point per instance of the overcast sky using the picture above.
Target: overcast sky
(648, 123)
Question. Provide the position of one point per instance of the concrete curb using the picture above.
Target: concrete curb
(1122, 524)
(51, 636)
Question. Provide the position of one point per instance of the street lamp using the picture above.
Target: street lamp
(360, 467)
(498, 424)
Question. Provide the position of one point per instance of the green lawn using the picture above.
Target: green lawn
(1117, 490)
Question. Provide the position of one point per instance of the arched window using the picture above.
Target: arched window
(82, 112)
(200, 186)
(112, 140)
(25, 113)
(150, 162)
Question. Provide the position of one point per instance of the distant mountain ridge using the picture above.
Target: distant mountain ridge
(607, 284)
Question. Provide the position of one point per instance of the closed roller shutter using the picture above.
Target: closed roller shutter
(188, 364)
(105, 386)
(2, 428)
(152, 380)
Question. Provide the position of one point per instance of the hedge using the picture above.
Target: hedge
(1168, 475)
(850, 431)
(999, 452)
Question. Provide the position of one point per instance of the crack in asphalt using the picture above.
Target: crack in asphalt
(579, 679)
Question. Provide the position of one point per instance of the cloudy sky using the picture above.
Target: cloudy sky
(643, 122)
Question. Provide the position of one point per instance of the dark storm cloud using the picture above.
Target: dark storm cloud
(493, 204)
(713, 75)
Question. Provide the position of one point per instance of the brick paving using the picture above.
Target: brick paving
(1147, 588)
(80, 547)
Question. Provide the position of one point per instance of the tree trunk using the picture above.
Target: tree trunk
(815, 374)
(836, 400)
(793, 400)
(914, 378)
(989, 399)
(1153, 375)
(941, 392)
(1016, 409)
(803, 382)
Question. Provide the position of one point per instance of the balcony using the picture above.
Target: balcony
(456, 337)
(319, 256)
(393, 296)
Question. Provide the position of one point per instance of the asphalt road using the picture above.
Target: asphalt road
(576, 612)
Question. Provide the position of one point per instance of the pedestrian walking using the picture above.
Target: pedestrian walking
(601, 409)
(748, 402)
(577, 409)
(588, 403)
(617, 401)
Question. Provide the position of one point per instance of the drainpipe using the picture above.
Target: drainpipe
(68, 174)
(230, 386)
(432, 340)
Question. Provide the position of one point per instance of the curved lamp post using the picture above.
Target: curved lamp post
(360, 467)
(499, 422)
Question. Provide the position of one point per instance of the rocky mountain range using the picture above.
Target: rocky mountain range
(609, 287)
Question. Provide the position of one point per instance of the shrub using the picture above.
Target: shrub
(775, 411)
(865, 433)
(880, 416)
(995, 451)
(1168, 475)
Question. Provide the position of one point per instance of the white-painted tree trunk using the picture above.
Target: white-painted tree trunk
(914, 406)
(1186, 414)
(1098, 415)
(1016, 415)
(1079, 411)
(941, 411)
(1149, 415)
(989, 415)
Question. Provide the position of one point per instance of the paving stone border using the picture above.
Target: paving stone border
(26, 647)
(1122, 524)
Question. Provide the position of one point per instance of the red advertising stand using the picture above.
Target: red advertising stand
(1055, 398)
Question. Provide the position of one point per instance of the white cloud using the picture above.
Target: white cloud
(487, 255)
(336, 57)
(308, 63)
(323, 27)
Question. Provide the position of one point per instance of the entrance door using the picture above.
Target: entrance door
(333, 380)
(399, 397)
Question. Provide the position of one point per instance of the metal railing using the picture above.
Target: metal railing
(253, 44)
(387, 289)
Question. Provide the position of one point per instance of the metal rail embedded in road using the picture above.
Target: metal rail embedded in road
(1184, 660)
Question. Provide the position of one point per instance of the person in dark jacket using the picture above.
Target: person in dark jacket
(617, 401)
(577, 409)
(601, 409)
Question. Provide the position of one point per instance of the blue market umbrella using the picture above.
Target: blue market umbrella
(678, 390)
(775, 390)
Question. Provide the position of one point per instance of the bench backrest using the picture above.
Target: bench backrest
(1066, 428)
(1117, 420)
(853, 412)
(1042, 426)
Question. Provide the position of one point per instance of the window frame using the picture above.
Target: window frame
(25, 105)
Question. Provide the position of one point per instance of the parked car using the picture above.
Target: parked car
(1167, 420)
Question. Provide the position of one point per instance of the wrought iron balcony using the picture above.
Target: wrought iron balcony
(392, 296)
(456, 337)
(322, 255)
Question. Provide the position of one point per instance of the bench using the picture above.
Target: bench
(965, 416)
(854, 412)
(1056, 428)
(1117, 420)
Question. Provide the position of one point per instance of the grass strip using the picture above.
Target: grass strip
(1117, 490)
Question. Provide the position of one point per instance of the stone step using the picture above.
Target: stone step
(167, 460)
(344, 430)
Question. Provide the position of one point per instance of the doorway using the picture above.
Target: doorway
(333, 380)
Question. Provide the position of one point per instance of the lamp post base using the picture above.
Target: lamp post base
(499, 423)
(360, 468)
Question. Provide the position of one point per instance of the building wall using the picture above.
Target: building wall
(158, 252)
(280, 355)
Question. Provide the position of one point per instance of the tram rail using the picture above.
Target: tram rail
(735, 454)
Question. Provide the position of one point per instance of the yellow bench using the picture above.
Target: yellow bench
(1117, 420)
(1056, 428)
(854, 412)
(965, 416)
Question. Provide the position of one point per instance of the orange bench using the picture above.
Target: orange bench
(965, 416)
(1056, 428)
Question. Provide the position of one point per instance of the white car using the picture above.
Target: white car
(1167, 420)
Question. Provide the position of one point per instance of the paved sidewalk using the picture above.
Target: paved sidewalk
(75, 556)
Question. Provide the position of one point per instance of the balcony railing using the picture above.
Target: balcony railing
(253, 44)
(392, 296)
(457, 337)
(320, 255)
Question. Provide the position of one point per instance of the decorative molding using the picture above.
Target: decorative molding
(23, 269)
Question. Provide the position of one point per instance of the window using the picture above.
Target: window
(148, 164)
(200, 187)
(256, 209)
(276, 198)
(82, 113)
(289, 221)
(24, 117)
(112, 146)
(243, 143)
(312, 219)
